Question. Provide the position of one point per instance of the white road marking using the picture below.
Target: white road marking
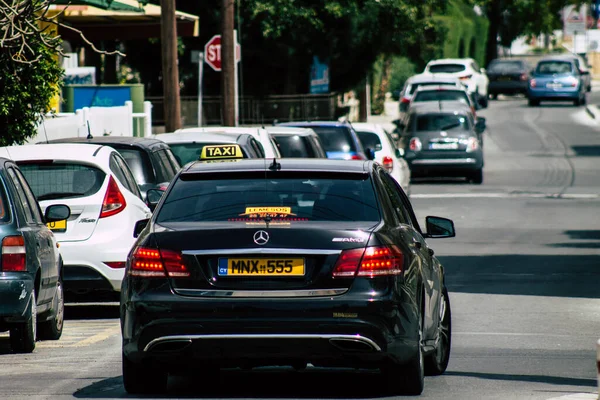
(577, 396)
(515, 334)
(502, 195)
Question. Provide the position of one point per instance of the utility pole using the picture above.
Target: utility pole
(170, 69)
(228, 83)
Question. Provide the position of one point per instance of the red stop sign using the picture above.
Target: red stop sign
(212, 51)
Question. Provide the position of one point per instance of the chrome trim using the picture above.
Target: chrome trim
(446, 161)
(262, 293)
(261, 251)
(176, 338)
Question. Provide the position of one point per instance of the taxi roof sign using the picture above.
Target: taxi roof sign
(221, 152)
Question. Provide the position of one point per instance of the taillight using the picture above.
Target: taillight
(115, 264)
(13, 254)
(114, 201)
(154, 263)
(356, 157)
(523, 77)
(572, 81)
(465, 78)
(405, 100)
(415, 144)
(472, 144)
(369, 262)
(388, 163)
(532, 83)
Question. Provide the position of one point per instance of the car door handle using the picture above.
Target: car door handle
(417, 244)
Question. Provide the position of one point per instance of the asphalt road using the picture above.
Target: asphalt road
(523, 275)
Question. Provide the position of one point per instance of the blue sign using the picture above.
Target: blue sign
(319, 77)
(100, 96)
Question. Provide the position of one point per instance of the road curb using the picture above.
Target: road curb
(593, 111)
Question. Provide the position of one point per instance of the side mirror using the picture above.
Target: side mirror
(370, 153)
(480, 125)
(153, 197)
(139, 227)
(438, 227)
(482, 70)
(399, 153)
(57, 212)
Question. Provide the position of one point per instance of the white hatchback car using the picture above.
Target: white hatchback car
(376, 138)
(105, 201)
(260, 134)
(465, 69)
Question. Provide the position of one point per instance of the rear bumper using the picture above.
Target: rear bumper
(15, 293)
(551, 94)
(326, 331)
(507, 87)
(444, 164)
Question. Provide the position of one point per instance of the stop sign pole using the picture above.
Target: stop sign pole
(212, 52)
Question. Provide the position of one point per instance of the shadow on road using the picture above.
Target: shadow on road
(551, 380)
(91, 311)
(587, 151)
(534, 275)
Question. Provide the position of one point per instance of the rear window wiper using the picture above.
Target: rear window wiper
(59, 195)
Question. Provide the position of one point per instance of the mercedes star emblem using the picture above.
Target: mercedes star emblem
(261, 237)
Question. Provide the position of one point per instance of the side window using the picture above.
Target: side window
(33, 203)
(174, 163)
(167, 169)
(21, 196)
(121, 171)
(258, 148)
(407, 207)
(394, 197)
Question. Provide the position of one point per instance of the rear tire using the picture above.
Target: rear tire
(23, 335)
(52, 329)
(476, 177)
(143, 379)
(533, 103)
(437, 362)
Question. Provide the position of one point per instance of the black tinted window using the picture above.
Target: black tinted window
(414, 86)
(446, 68)
(139, 164)
(294, 146)
(554, 67)
(62, 180)
(283, 199)
(166, 165)
(506, 66)
(440, 122)
(442, 95)
(369, 140)
(335, 138)
(188, 152)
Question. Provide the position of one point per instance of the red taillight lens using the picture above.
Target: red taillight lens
(115, 264)
(369, 262)
(415, 144)
(388, 163)
(13, 254)
(472, 144)
(523, 77)
(150, 263)
(532, 83)
(114, 201)
(356, 157)
(405, 100)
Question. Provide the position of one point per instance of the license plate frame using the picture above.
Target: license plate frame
(262, 267)
(443, 146)
(57, 226)
(554, 85)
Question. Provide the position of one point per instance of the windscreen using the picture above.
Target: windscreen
(139, 164)
(505, 67)
(446, 68)
(188, 152)
(294, 146)
(442, 95)
(335, 138)
(554, 67)
(62, 180)
(295, 198)
(414, 86)
(441, 122)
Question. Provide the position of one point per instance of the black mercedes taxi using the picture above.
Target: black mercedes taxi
(295, 262)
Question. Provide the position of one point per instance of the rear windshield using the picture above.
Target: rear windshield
(446, 68)
(282, 200)
(440, 122)
(506, 66)
(295, 146)
(139, 164)
(369, 140)
(62, 180)
(414, 86)
(188, 152)
(335, 138)
(554, 67)
(442, 95)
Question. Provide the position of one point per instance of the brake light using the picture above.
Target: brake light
(572, 81)
(532, 83)
(13, 254)
(388, 163)
(415, 144)
(523, 77)
(405, 100)
(465, 78)
(115, 264)
(154, 263)
(356, 157)
(114, 201)
(369, 262)
(472, 144)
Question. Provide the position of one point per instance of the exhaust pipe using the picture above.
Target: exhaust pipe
(169, 346)
(357, 344)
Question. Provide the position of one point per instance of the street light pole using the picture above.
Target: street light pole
(228, 77)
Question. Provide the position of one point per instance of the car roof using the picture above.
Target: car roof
(221, 129)
(451, 61)
(57, 151)
(315, 123)
(290, 130)
(108, 140)
(427, 107)
(184, 136)
(439, 87)
(568, 58)
(287, 164)
(432, 78)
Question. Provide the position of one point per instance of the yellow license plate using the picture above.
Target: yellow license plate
(261, 267)
(59, 226)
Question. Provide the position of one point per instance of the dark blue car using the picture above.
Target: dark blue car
(31, 289)
(340, 140)
(556, 79)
